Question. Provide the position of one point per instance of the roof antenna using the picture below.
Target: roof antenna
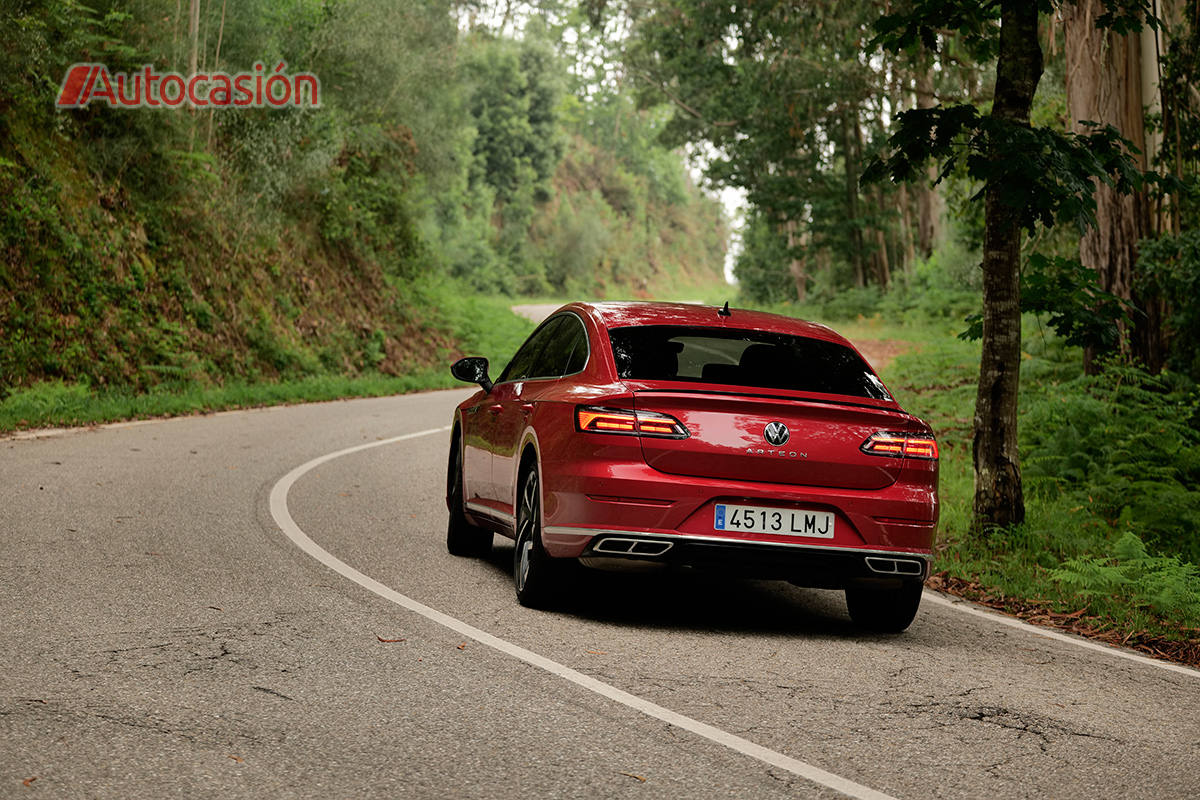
(725, 312)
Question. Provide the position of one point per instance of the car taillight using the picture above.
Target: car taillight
(911, 445)
(635, 423)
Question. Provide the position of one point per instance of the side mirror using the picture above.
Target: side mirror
(473, 370)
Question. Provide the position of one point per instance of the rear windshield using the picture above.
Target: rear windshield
(742, 358)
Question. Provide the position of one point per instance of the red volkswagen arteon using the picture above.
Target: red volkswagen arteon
(686, 436)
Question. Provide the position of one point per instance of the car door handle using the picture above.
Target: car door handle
(496, 409)
(527, 408)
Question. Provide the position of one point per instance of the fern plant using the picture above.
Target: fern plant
(1163, 584)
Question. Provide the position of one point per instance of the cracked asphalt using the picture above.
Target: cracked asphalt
(160, 637)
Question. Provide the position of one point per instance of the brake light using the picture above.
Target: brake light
(590, 419)
(911, 445)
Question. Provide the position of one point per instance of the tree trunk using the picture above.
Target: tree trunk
(175, 35)
(1104, 80)
(855, 225)
(796, 261)
(929, 201)
(999, 500)
(883, 271)
(906, 233)
(905, 252)
(193, 61)
(193, 36)
(217, 65)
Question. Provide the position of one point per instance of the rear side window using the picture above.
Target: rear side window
(559, 347)
(749, 359)
(524, 361)
(566, 349)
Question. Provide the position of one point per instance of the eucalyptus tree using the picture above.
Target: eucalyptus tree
(1031, 176)
(780, 93)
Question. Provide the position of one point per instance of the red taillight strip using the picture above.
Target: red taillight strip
(921, 448)
(590, 419)
(605, 420)
(910, 445)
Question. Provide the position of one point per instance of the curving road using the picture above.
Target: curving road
(163, 634)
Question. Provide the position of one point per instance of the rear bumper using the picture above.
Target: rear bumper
(803, 564)
(583, 497)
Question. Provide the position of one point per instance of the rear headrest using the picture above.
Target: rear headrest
(761, 357)
(768, 365)
(722, 373)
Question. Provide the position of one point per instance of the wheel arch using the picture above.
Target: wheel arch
(455, 445)
(529, 457)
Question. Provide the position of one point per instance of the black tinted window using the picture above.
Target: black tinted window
(742, 358)
(579, 353)
(565, 351)
(558, 347)
(525, 360)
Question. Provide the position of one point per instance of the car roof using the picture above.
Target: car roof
(621, 315)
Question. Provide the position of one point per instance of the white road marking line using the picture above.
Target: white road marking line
(283, 518)
(969, 608)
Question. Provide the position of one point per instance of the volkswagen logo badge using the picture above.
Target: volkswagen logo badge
(776, 433)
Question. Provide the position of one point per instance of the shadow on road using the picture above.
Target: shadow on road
(697, 600)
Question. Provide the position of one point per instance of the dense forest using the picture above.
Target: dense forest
(150, 246)
(1008, 187)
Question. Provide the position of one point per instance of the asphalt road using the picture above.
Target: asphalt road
(162, 636)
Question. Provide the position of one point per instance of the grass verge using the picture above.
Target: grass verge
(58, 404)
(465, 324)
(1108, 547)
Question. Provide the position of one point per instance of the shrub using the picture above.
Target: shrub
(1164, 584)
(1125, 444)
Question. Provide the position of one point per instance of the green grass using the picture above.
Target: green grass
(463, 324)
(55, 403)
(1111, 489)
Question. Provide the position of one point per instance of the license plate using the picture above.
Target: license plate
(785, 521)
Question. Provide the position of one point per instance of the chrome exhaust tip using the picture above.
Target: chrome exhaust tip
(619, 545)
(896, 566)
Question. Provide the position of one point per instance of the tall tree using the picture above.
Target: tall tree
(1104, 81)
(929, 202)
(780, 94)
(1030, 176)
(999, 498)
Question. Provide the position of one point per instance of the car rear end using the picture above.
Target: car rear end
(770, 450)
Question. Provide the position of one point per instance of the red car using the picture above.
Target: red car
(686, 436)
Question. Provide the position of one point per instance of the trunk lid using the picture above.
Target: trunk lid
(728, 439)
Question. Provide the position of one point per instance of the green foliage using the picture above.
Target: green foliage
(1163, 584)
(149, 251)
(718, 64)
(924, 21)
(60, 403)
(1104, 459)
(1066, 292)
(940, 291)
(1041, 175)
(577, 239)
(759, 272)
(1127, 444)
(1079, 311)
(513, 105)
(1169, 273)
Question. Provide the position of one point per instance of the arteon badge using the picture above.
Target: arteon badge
(776, 433)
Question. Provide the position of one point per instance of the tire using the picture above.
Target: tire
(535, 573)
(884, 610)
(462, 538)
